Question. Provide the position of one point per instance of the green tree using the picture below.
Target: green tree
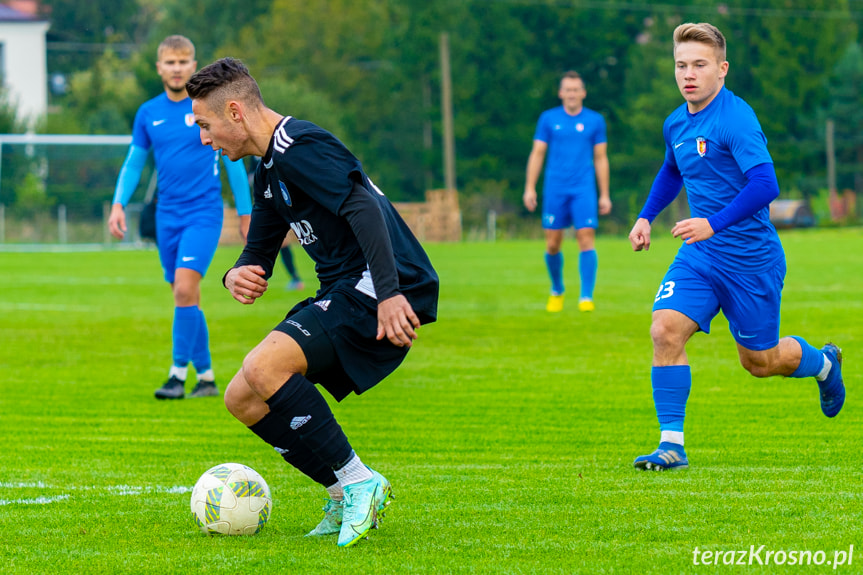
(106, 96)
(845, 89)
(15, 166)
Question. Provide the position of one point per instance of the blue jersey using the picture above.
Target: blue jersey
(713, 149)
(569, 162)
(188, 172)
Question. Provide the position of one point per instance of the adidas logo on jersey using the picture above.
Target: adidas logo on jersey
(268, 193)
(323, 304)
(298, 422)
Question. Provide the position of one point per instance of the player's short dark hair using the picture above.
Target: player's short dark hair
(571, 75)
(703, 33)
(223, 80)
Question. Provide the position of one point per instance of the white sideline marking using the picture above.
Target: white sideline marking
(36, 501)
(45, 307)
(112, 489)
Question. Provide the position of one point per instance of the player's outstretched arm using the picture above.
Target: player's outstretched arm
(246, 283)
(397, 321)
(639, 237)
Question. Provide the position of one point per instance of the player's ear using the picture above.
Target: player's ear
(234, 111)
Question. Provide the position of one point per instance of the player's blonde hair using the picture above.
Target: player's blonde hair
(176, 43)
(703, 33)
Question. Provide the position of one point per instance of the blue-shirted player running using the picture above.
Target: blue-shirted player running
(574, 137)
(189, 210)
(731, 258)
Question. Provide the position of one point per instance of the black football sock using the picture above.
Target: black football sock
(275, 431)
(305, 410)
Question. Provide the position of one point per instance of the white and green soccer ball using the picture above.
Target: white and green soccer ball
(231, 499)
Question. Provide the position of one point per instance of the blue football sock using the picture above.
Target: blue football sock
(587, 264)
(555, 271)
(671, 385)
(811, 362)
(184, 333)
(201, 347)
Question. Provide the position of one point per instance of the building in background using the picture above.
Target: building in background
(23, 74)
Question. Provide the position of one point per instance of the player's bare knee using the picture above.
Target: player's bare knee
(663, 335)
(232, 398)
(185, 296)
(261, 375)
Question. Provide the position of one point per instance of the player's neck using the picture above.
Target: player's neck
(266, 125)
(574, 111)
(176, 95)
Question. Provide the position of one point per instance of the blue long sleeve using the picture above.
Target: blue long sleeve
(760, 189)
(665, 188)
(239, 181)
(130, 174)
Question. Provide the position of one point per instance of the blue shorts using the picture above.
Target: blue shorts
(750, 302)
(559, 211)
(184, 245)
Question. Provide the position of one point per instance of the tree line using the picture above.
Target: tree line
(369, 70)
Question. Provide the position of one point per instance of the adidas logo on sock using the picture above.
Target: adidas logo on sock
(298, 422)
(280, 450)
(323, 304)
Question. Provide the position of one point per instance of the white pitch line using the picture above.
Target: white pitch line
(36, 501)
(22, 306)
(112, 489)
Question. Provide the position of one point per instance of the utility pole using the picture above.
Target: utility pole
(446, 111)
(831, 156)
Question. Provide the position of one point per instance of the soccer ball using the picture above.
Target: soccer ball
(231, 499)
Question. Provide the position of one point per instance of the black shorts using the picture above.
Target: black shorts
(336, 331)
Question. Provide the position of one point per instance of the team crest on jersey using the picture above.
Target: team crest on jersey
(190, 120)
(285, 195)
(579, 127)
(701, 146)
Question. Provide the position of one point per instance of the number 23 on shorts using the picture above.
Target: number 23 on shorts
(665, 290)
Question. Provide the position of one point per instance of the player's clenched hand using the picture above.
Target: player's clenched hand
(397, 321)
(639, 237)
(246, 283)
(604, 206)
(692, 230)
(117, 221)
(245, 221)
(529, 199)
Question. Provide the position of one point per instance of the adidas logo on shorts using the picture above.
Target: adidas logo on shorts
(298, 422)
(323, 304)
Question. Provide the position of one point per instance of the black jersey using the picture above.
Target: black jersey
(302, 184)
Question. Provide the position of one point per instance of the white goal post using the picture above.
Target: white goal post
(54, 187)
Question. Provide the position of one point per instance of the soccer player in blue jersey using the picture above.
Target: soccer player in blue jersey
(377, 287)
(189, 211)
(574, 138)
(731, 258)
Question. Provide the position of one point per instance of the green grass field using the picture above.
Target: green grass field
(508, 434)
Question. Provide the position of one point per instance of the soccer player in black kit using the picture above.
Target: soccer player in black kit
(377, 287)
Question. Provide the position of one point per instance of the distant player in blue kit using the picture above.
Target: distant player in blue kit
(731, 258)
(574, 137)
(377, 288)
(189, 211)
